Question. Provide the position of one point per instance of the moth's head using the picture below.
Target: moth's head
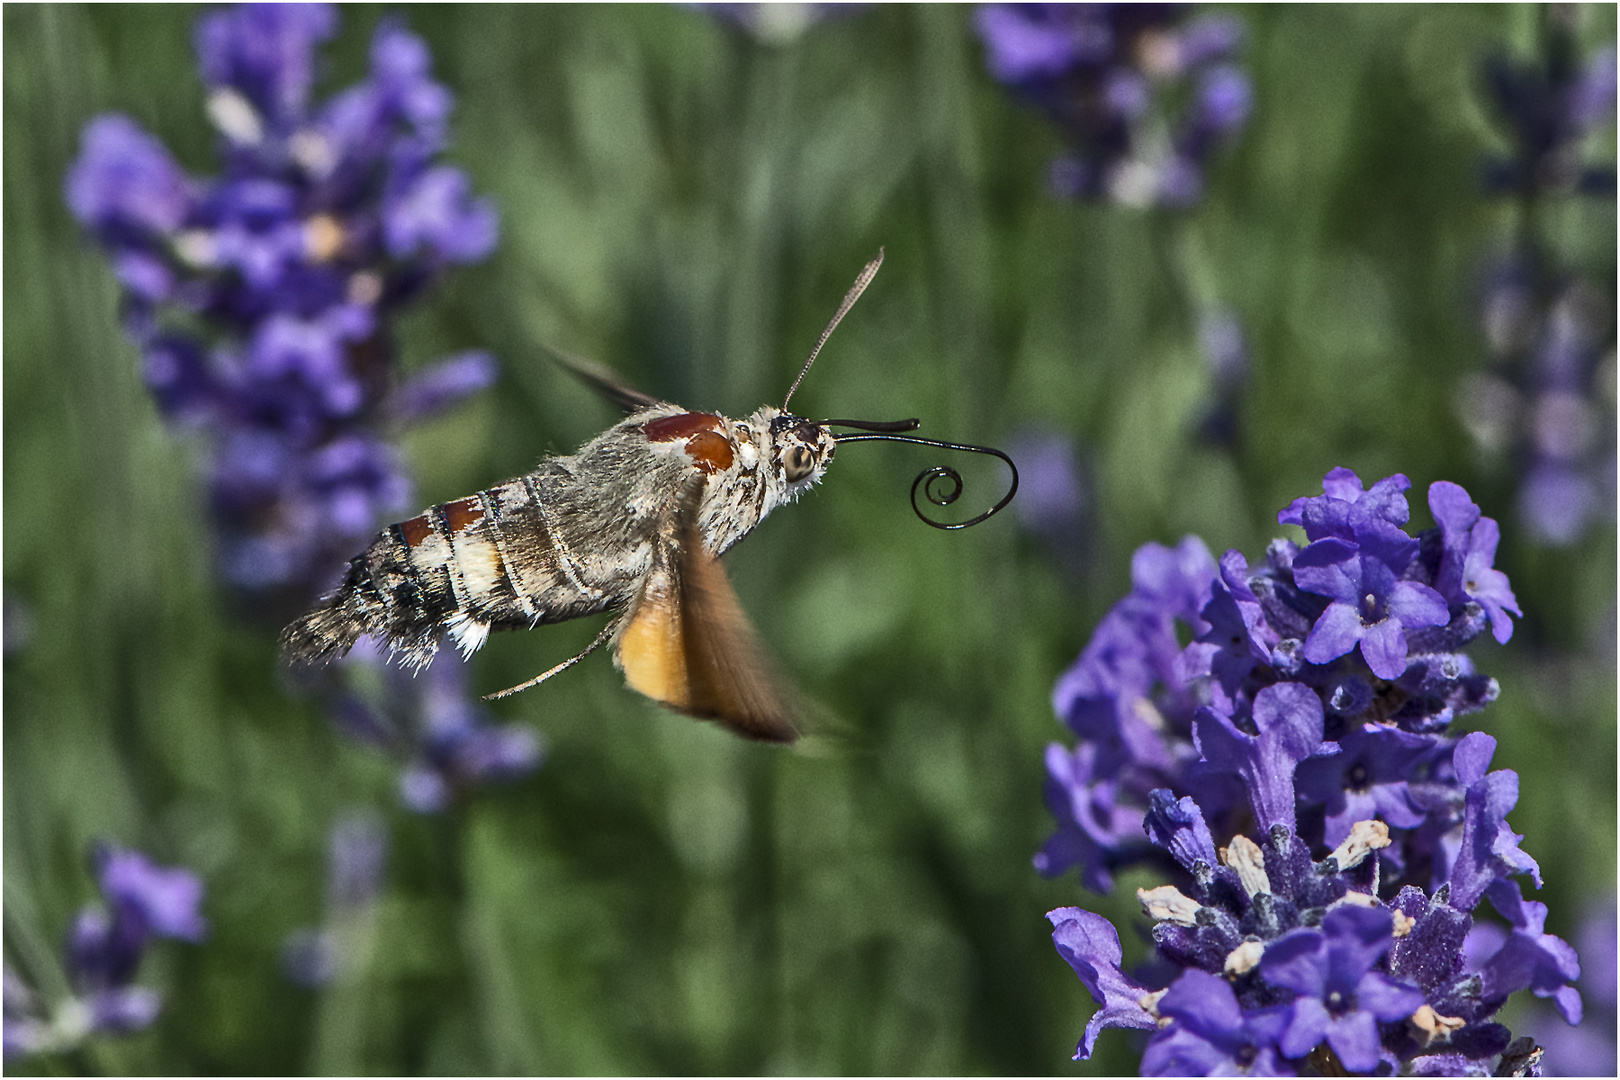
(800, 451)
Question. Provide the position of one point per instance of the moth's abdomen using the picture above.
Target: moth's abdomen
(462, 567)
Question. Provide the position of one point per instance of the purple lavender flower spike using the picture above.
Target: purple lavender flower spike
(1341, 998)
(1289, 719)
(263, 301)
(102, 954)
(357, 849)
(1091, 946)
(1466, 572)
(1108, 76)
(1211, 1035)
(444, 741)
(1346, 778)
(1546, 106)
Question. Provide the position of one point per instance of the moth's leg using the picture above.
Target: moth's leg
(607, 632)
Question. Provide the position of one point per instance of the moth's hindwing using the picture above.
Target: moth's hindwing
(686, 643)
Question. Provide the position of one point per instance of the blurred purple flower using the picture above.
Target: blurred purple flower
(1054, 494)
(102, 954)
(1143, 94)
(1547, 106)
(357, 850)
(1225, 350)
(444, 742)
(1546, 403)
(262, 299)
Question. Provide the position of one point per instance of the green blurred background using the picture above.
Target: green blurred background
(687, 205)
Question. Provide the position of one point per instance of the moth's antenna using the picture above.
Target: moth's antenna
(886, 431)
(854, 294)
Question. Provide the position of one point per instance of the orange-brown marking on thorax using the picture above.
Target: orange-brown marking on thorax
(679, 426)
(415, 530)
(710, 451)
(462, 513)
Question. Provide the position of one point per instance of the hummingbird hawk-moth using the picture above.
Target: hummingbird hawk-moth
(634, 523)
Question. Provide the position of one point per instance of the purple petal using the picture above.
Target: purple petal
(1336, 632)
(1298, 962)
(1330, 567)
(1225, 98)
(124, 1010)
(1488, 848)
(1289, 716)
(1354, 1037)
(1356, 938)
(1383, 646)
(437, 213)
(165, 900)
(423, 790)
(1386, 998)
(1018, 47)
(1472, 756)
(1091, 946)
(1415, 604)
(443, 385)
(1308, 1022)
(125, 178)
(1530, 957)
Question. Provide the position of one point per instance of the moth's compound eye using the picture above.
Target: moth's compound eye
(798, 462)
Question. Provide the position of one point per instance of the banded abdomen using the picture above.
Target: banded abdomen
(490, 560)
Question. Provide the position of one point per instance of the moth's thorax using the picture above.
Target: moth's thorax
(752, 465)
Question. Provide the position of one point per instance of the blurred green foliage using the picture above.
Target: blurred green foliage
(687, 206)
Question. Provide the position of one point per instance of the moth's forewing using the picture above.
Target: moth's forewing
(606, 383)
